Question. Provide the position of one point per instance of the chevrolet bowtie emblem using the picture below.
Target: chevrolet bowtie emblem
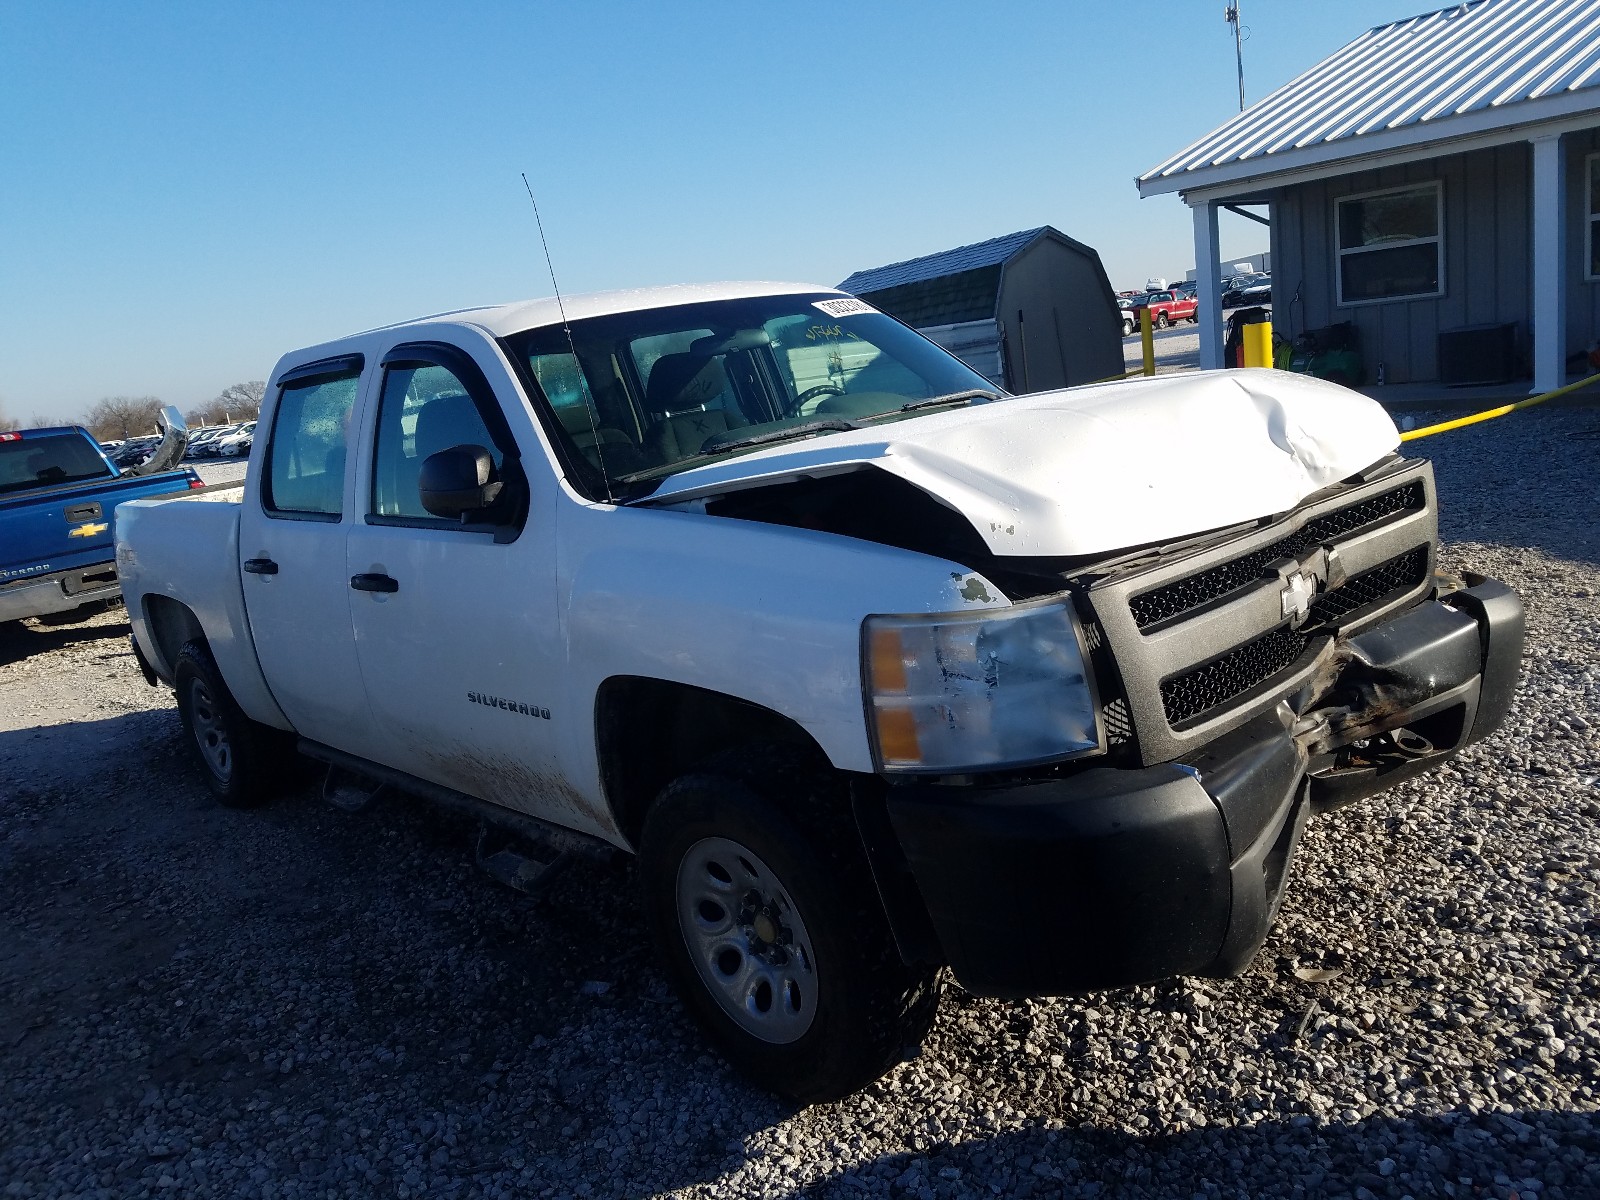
(89, 530)
(1299, 590)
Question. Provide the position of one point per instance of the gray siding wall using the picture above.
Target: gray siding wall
(1069, 316)
(1583, 299)
(1488, 247)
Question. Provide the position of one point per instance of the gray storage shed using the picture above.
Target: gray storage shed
(1029, 311)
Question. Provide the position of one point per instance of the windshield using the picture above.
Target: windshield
(660, 390)
(45, 461)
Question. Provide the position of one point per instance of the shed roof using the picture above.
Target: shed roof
(992, 253)
(1460, 70)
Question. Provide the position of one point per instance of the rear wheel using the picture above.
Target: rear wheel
(1161, 320)
(240, 758)
(763, 910)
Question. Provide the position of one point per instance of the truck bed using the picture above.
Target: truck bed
(190, 556)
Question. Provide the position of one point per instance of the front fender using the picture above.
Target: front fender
(764, 613)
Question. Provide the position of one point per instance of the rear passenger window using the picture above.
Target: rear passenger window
(425, 409)
(308, 451)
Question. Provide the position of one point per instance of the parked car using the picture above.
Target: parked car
(1130, 320)
(60, 496)
(1255, 293)
(875, 670)
(134, 451)
(238, 442)
(1167, 308)
(210, 447)
(203, 438)
(1234, 289)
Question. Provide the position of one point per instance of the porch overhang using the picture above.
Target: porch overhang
(1253, 179)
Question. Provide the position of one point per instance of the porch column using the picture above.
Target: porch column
(1549, 285)
(1208, 285)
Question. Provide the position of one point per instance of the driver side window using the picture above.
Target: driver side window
(424, 409)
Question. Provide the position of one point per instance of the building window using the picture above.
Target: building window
(1591, 247)
(1390, 244)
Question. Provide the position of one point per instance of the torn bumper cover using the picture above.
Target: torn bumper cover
(1111, 877)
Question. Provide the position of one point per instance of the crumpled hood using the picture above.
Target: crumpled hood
(1095, 469)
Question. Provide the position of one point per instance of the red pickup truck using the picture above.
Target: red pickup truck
(1168, 308)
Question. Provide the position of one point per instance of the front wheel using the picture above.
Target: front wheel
(240, 758)
(763, 910)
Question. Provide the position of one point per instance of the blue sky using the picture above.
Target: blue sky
(192, 189)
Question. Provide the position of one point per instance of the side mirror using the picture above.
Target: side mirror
(458, 481)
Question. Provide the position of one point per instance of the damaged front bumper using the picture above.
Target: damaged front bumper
(1110, 876)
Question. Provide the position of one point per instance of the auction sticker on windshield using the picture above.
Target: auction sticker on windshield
(847, 306)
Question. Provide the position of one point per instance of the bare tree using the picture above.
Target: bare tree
(123, 416)
(242, 401)
(8, 423)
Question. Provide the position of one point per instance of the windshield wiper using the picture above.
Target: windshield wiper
(822, 425)
(951, 398)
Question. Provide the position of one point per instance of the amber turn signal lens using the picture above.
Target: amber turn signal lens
(888, 662)
(897, 736)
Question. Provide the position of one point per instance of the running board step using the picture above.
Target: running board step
(348, 791)
(513, 866)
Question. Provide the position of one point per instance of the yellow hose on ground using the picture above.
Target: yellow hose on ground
(1491, 413)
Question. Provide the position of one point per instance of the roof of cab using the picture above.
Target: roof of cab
(503, 319)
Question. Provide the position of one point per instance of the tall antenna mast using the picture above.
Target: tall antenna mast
(1231, 15)
(583, 379)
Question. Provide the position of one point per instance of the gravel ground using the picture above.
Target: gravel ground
(300, 1002)
(1177, 349)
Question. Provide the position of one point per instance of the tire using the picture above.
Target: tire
(765, 916)
(1127, 328)
(241, 759)
(1161, 320)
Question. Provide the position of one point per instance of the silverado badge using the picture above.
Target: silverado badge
(89, 529)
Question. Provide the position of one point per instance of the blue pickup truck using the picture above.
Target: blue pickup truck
(58, 501)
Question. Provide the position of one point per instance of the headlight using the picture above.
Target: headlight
(958, 692)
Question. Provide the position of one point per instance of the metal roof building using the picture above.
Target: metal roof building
(1031, 310)
(1434, 176)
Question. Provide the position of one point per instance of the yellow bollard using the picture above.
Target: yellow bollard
(1147, 337)
(1258, 344)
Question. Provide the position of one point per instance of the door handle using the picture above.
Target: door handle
(374, 583)
(260, 566)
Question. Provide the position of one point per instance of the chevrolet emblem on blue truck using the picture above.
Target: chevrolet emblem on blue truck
(880, 673)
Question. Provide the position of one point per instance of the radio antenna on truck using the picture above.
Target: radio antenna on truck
(583, 379)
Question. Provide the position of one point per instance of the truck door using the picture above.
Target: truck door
(457, 628)
(292, 532)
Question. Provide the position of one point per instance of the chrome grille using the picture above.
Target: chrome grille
(1183, 596)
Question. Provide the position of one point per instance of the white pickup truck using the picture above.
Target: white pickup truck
(877, 671)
